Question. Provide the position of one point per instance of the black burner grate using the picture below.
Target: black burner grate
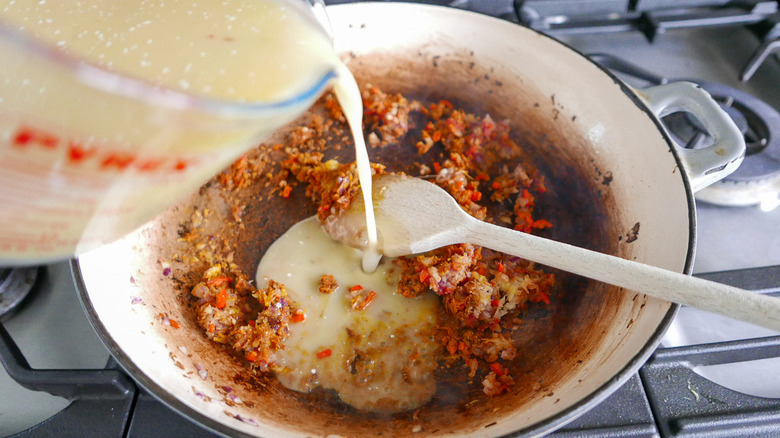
(15, 285)
(654, 17)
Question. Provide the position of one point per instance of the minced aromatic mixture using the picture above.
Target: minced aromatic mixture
(483, 292)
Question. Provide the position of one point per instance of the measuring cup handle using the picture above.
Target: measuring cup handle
(710, 164)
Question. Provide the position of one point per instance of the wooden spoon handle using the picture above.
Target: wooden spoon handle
(718, 298)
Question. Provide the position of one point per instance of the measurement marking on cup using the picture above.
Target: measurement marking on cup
(27, 137)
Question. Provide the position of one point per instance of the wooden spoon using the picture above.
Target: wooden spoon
(415, 216)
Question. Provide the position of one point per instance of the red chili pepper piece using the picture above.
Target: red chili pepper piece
(497, 368)
(222, 299)
(369, 298)
(541, 224)
(452, 346)
(324, 353)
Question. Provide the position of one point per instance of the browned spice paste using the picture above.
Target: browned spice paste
(483, 292)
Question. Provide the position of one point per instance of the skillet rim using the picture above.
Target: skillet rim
(543, 426)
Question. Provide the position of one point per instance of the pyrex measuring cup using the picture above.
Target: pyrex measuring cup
(87, 154)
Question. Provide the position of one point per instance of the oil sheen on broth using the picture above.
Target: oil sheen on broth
(380, 358)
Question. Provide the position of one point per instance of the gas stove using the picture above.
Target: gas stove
(711, 377)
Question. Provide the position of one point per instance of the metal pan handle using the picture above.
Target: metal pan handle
(710, 164)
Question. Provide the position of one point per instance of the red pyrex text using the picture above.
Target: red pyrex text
(77, 153)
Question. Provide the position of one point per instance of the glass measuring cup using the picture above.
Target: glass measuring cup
(87, 154)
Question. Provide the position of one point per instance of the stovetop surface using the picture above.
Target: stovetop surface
(53, 332)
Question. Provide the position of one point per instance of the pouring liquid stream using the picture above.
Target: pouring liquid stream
(348, 94)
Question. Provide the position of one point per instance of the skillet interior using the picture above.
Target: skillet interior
(573, 352)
